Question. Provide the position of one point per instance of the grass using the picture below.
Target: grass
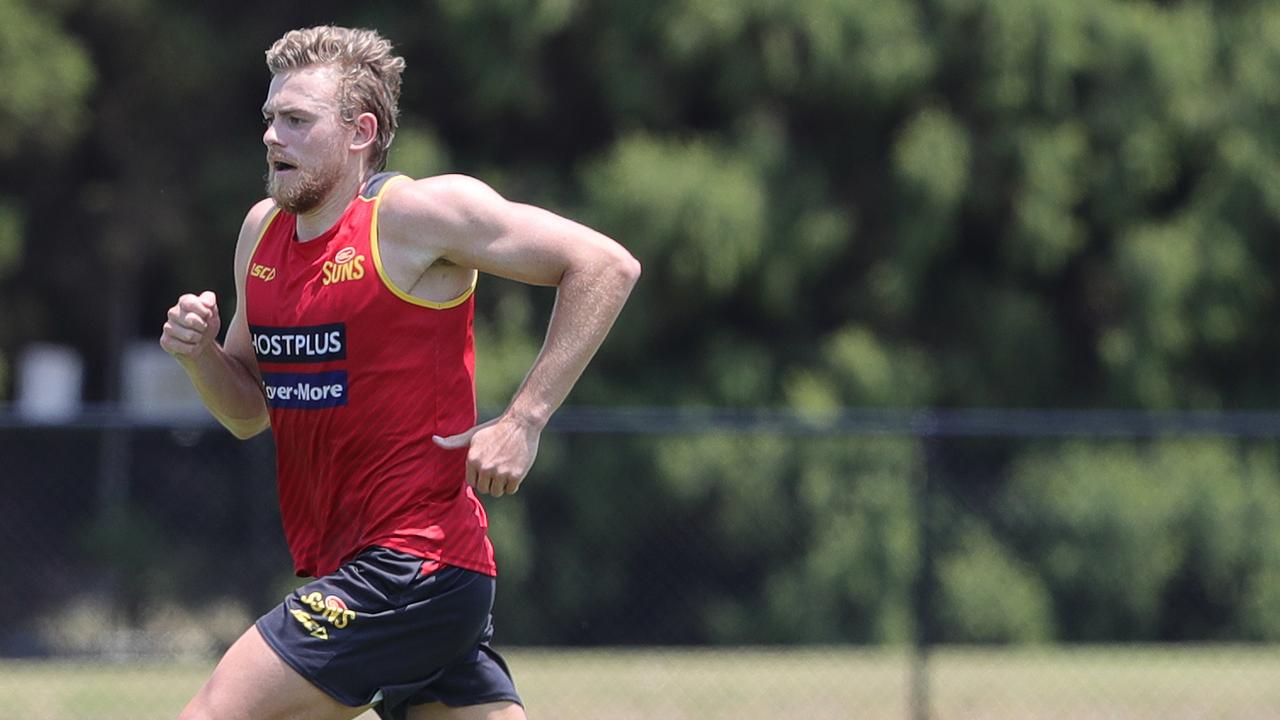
(1133, 683)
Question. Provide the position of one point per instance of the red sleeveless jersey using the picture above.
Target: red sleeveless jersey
(358, 376)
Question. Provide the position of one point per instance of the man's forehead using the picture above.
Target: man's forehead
(312, 88)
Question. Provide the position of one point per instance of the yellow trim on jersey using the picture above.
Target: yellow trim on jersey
(382, 272)
(266, 225)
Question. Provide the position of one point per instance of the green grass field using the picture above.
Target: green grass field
(1169, 683)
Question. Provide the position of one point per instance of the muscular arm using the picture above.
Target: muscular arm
(226, 375)
(463, 221)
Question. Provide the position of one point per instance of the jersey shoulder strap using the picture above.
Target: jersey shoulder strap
(376, 183)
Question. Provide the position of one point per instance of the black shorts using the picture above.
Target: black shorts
(378, 631)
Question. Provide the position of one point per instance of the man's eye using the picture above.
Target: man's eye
(295, 121)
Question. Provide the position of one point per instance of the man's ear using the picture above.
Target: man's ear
(366, 126)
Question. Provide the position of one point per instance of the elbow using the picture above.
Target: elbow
(243, 433)
(628, 269)
(614, 271)
(243, 429)
(633, 269)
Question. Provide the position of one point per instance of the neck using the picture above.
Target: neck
(313, 223)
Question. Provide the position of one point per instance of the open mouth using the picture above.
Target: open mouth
(281, 166)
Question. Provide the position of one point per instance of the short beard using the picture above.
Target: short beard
(306, 193)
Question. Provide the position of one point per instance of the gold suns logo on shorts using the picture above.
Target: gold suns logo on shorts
(345, 265)
(329, 609)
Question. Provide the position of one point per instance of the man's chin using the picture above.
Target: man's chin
(295, 206)
(292, 202)
(300, 192)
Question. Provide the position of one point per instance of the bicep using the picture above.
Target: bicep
(527, 244)
(522, 242)
(464, 221)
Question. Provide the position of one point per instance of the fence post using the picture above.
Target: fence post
(926, 431)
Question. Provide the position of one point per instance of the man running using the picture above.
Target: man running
(352, 340)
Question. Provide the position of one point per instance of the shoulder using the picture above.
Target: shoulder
(455, 187)
(440, 202)
(256, 219)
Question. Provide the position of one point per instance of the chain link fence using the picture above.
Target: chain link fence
(707, 564)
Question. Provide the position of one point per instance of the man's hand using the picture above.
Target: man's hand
(502, 451)
(192, 326)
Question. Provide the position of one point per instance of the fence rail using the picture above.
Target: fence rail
(921, 422)
(713, 538)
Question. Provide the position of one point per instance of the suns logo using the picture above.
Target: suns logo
(262, 272)
(330, 608)
(346, 265)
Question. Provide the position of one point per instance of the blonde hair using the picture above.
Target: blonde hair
(369, 75)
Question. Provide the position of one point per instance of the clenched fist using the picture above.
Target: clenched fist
(192, 326)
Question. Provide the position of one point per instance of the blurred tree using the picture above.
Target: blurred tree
(1008, 203)
(47, 78)
(892, 203)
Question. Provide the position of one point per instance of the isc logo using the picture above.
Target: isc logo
(266, 274)
(346, 265)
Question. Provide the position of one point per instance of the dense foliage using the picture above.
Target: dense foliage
(888, 203)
